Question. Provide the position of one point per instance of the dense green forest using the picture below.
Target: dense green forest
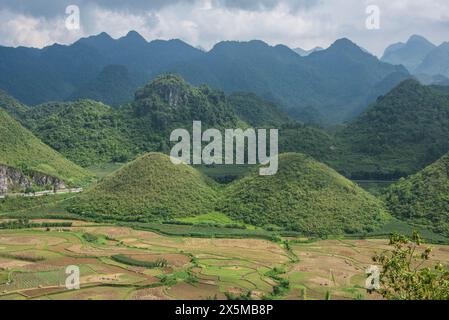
(424, 197)
(85, 131)
(400, 134)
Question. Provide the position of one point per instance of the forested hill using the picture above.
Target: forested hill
(402, 132)
(424, 197)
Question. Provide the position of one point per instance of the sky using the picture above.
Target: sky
(295, 23)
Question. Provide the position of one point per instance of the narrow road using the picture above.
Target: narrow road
(41, 193)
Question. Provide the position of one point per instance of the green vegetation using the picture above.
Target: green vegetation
(400, 134)
(89, 237)
(258, 113)
(26, 224)
(21, 257)
(90, 133)
(168, 103)
(304, 196)
(102, 170)
(309, 140)
(85, 131)
(19, 148)
(49, 206)
(423, 198)
(407, 274)
(159, 263)
(16, 109)
(148, 188)
(212, 217)
(206, 231)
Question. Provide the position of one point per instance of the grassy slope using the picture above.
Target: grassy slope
(150, 187)
(20, 148)
(424, 197)
(304, 196)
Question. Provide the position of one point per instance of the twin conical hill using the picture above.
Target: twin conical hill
(304, 196)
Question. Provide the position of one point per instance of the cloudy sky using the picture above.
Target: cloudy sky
(296, 23)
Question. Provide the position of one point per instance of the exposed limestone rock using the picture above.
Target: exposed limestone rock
(12, 179)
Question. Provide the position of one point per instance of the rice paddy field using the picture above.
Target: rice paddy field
(33, 265)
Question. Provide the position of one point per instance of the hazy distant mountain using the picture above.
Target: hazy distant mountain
(438, 79)
(337, 83)
(57, 72)
(304, 53)
(436, 62)
(115, 85)
(410, 54)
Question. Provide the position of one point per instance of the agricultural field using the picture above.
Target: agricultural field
(118, 262)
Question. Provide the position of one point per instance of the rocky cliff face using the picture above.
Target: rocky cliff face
(12, 180)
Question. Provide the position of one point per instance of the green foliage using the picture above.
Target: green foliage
(19, 147)
(283, 285)
(91, 133)
(309, 140)
(86, 132)
(21, 257)
(257, 112)
(423, 198)
(89, 237)
(204, 231)
(407, 273)
(149, 188)
(238, 297)
(304, 196)
(159, 263)
(400, 134)
(26, 224)
(168, 103)
(12, 106)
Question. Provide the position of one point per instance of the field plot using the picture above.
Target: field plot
(118, 262)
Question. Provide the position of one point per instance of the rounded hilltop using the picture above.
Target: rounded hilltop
(305, 196)
(148, 188)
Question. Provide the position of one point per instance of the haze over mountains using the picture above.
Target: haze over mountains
(333, 85)
(428, 62)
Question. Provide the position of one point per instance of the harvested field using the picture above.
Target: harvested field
(34, 264)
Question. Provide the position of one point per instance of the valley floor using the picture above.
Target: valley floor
(33, 263)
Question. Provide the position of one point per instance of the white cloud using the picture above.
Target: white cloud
(304, 23)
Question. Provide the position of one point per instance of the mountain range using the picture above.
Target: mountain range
(428, 62)
(329, 86)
